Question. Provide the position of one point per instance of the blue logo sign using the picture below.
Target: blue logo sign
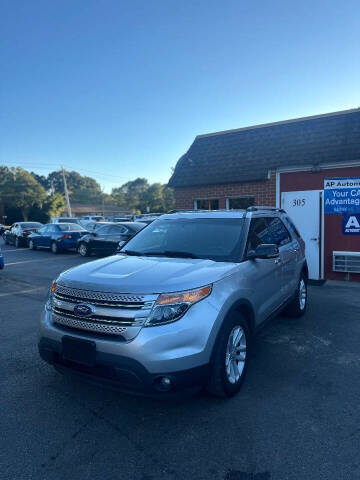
(351, 224)
(342, 195)
(84, 310)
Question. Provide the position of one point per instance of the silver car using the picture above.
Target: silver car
(178, 306)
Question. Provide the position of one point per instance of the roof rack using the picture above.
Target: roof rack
(204, 211)
(271, 209)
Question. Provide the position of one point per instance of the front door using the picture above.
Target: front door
(304, 208)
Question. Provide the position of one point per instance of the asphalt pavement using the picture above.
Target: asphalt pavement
(296, 417)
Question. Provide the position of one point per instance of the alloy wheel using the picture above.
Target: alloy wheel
(302, 294)
(235, 354)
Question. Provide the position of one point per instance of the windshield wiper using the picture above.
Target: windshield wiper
(131, 252)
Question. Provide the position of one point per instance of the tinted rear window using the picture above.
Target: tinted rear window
(70, 227)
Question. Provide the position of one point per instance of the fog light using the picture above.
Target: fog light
(163, 384)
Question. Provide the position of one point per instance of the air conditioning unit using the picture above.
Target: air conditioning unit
(348, 262)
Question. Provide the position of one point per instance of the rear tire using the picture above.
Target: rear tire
(297, 307)
(54, 248)
(230, 357)
(32, 246)
(84, 250)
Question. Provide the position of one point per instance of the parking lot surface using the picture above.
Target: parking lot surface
(297, 416)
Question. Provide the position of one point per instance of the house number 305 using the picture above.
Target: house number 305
(299, 202)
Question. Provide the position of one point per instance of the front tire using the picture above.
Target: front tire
(54, 248)
(230, 357)
(32, 245)
(297, 307)
(84, 250)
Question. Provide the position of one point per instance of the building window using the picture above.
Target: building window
(239, 203)
(207, 204)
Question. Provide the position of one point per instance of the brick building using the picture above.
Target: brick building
(283, 164)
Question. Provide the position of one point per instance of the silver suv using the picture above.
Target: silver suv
(178, 306)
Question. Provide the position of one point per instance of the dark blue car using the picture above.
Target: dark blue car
(57, 236)
(2, 264)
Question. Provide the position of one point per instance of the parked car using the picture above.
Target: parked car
(90, 220)
(65, 220)
(125, 218)
(19, 232)
(57, 236)
(2, 263)
(105, 240)
(192, 289)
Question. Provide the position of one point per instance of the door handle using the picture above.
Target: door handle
(277, 261)
(315, 239)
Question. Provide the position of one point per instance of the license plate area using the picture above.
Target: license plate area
(78, 351)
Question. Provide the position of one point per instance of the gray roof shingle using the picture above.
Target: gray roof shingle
(248, 154)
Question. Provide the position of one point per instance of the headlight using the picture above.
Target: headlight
(49, 301)
(170, 307)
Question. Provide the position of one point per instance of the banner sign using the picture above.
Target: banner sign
(351, 224)
(342, 195)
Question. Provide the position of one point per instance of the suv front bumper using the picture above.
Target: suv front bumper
(179, 351)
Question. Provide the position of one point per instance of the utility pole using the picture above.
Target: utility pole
(66, 194)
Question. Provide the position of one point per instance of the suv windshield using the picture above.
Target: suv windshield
(216, 239)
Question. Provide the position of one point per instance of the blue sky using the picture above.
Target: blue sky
(119, 89)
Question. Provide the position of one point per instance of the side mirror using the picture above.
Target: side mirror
(266, 250)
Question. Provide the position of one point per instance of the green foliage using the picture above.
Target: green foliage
(20, 189)
(139, 195)
(37, 197)
(81, 189)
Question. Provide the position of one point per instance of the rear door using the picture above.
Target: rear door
(99, 241)
(116, 234)
(264, 275)
(48, 235)
(39, 238)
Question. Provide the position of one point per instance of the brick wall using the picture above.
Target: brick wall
(264, 193)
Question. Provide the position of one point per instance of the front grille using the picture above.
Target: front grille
(89, 325)
(99, 298)
(113, 314)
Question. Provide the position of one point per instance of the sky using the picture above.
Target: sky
(119, 89)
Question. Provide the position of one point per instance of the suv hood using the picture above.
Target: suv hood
(126, 274)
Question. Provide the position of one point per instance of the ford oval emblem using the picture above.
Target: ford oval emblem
(84, 310)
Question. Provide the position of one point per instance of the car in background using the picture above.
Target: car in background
(146, 217)
(105, 240)
(57, 236)
(90, 219)
(116, 219)
(65, 220)
(19, 232)
(2, 263)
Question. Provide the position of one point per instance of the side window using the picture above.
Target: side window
(278, 231)
(120, 230)
(51, 229)
(258, 234)
(42, 230)
(292, 227)
(103, 231)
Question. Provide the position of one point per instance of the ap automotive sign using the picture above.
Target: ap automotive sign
(342, 195)
(351, 224)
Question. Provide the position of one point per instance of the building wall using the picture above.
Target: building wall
(264, 193)
(334, 240)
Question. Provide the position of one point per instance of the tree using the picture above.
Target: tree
(81, 189)
(20, 189)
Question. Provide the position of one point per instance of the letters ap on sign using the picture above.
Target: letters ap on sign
(351, 224)
(341, 195)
